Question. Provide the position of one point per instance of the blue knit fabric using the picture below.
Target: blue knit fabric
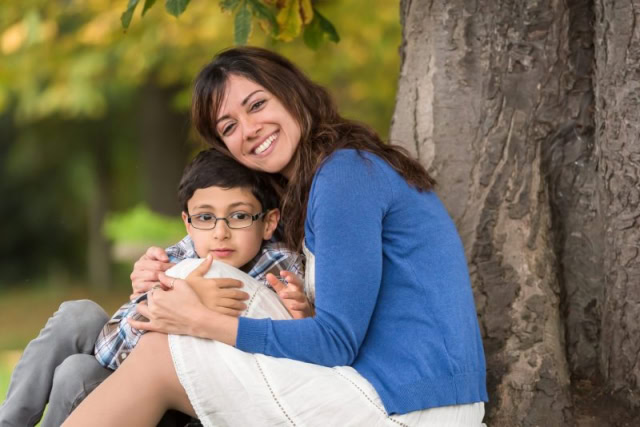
(393, 296)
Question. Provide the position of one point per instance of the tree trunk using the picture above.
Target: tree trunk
(496, 98)
(617, 83)
(163, 149)
(98, 247)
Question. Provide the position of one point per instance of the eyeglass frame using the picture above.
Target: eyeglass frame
(254, 218)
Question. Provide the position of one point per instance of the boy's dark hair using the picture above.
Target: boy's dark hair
(213, 168)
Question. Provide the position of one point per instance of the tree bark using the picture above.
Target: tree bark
(495, 98)
(617, 81)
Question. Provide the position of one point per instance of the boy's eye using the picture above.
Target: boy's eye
(239, 216)
(205, 217)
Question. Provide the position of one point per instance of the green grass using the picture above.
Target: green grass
(8, 360)
(23, 312)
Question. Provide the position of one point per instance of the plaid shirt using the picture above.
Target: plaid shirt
(117, 339)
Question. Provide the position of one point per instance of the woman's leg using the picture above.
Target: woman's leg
(138, 393)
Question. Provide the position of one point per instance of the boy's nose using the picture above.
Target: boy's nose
(221, 231)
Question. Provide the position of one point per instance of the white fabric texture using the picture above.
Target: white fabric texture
(228, 387)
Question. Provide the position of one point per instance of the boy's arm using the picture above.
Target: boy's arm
(118, 338)
(220, 295)
(157, 260)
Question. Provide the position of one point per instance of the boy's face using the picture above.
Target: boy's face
(235, 247)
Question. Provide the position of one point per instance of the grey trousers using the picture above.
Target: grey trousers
(58, 367)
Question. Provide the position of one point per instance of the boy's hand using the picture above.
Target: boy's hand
(291, 294)
(146, 270)
(220, 295)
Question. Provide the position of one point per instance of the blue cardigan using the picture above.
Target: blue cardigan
(393, 295)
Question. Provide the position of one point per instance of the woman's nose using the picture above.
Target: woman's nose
(251, 128)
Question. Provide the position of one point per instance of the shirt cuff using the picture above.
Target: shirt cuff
(252, 335)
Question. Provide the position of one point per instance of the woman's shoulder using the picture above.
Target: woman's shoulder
(351, 159)
(352, 174)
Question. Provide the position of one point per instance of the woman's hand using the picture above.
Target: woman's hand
(146, 271)
(220, 295)
(179, 311)
(170, 311)
(292, 294)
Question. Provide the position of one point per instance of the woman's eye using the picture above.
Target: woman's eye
(227, 129)
(258, 104)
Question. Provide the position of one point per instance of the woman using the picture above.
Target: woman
(394, 339)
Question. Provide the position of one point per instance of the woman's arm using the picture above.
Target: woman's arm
(180, 311)
(348, 203)
(350, 198)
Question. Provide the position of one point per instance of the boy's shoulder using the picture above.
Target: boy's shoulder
(182, 250)
(273, 258)
(273, 246)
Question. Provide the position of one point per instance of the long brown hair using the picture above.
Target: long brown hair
(323, 130)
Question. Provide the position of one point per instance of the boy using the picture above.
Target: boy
(215, 189)
(57, 367)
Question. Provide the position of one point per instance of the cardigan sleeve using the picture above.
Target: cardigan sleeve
(349, 198)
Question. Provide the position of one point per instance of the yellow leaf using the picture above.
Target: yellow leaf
(289, 20)
(97, 30)
(306, 10)
(13, 38)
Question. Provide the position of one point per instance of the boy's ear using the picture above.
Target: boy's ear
(271, 220)
(185, 219)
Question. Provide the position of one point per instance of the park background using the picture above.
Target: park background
(526, 112)
(95, 132)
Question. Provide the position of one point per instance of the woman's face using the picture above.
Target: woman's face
(256, 128)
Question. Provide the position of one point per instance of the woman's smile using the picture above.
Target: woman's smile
(264, 146)
(256, 127)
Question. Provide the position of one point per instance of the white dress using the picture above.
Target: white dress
(228, 387)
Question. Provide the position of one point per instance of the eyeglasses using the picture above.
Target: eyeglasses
(208, 221)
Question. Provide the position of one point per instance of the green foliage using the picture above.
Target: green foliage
(289, 21)
(128, 14)
(147, 5)
(292, 18)
(264, 15)
(319, 29)
(242, 27)
(229, 5)
(141, 225)
(175, 7)
(71, 104)
(76, 62)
